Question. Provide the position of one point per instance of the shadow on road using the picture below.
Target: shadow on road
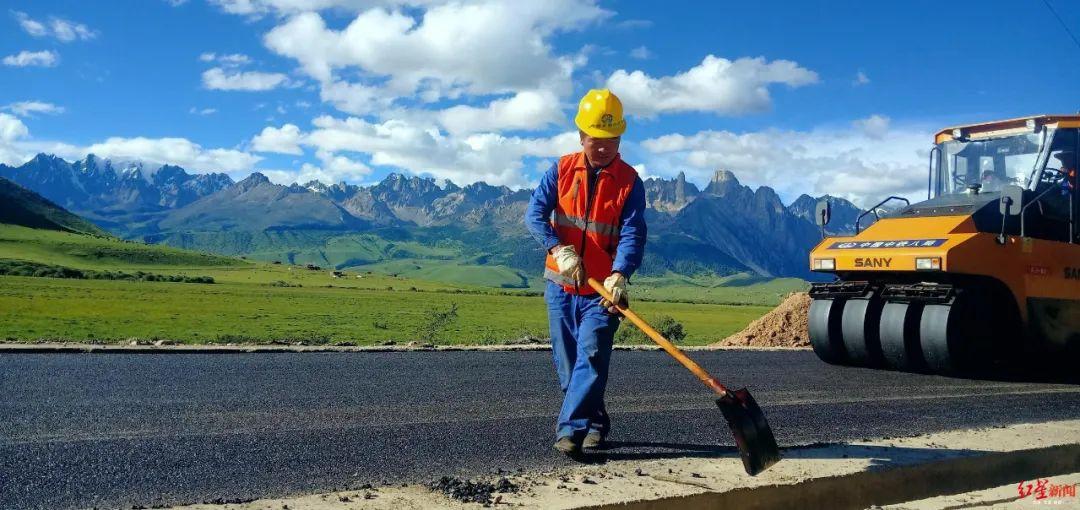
(644, 450)
(879, 456)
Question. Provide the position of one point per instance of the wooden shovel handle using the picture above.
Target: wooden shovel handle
(664, 343)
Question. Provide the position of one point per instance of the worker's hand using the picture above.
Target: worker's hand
(616, 285)
(569, 262)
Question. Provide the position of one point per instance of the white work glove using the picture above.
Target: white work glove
(569, 262)
(616, 285)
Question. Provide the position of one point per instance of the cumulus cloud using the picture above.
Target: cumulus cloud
(11, 128)
(283, 140)
(526, 110)
(860, 79)
(30, 108)
(17, 147)
(445, 52)
(202, 111)
(286, 7)
(716, 85)
(354, 98)
(842, 162)
(58, 28)
(874, 126)
(173, 151)
(25, 58)
(332, 168)
(224, 79)
(423, 149)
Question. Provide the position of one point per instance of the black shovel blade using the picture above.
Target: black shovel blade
(755, 440)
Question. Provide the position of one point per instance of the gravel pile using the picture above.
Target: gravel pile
(472, 492)
(785, 326)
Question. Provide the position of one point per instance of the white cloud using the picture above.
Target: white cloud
(874, 126)
(11, 128)
(634, 24)
(221, 79)
(202, 111)
(176, 3)
(29, 25)
(716, 85)
(59, 28)
(842, 162)
(527, 110)
(173, 151)
(493, 46)
(227, 60)
(287, 7)
(641, 53)
(354, 98)
(334, 168)
(29, 108)
(422, 149)
(24, 58)
(283, 140)
(860, 79)
(16, 147)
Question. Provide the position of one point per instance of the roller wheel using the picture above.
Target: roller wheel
(954, 337)
(825, 330)
(899, 336)
(860, 326)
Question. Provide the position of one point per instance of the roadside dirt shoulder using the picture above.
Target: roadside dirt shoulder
(853, 475)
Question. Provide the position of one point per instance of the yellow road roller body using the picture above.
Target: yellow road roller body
(984, 271)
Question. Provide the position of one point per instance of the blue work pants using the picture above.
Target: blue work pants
(582, 334)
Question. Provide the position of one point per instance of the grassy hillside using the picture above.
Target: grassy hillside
(20, 206)
(261, 302)
(742, 288)
(92, 252)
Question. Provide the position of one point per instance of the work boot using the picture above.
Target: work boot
(568, 446)
(593, 440)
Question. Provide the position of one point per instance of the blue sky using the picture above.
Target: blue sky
(839, 98)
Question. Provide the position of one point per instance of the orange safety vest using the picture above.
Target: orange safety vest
(589, 219)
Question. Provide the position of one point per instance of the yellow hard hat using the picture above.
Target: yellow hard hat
(600, 114)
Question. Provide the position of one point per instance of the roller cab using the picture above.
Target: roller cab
(987, 268)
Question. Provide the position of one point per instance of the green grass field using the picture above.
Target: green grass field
(259, 302)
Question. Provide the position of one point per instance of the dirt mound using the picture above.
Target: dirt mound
(785, 326)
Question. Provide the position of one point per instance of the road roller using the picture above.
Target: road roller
(982, 275)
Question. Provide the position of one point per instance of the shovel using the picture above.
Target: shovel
(754, 438)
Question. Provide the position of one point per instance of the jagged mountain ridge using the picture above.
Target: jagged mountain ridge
(844, 213)
(114, 196)
(256, 204)
(724, 227)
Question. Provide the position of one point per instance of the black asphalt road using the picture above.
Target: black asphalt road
(117, 430)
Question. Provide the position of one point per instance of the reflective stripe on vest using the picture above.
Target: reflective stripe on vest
(557, 278)
(604, 229)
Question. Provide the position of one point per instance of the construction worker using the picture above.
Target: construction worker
(588, 213)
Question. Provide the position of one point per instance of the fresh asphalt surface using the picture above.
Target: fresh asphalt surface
(119, 430)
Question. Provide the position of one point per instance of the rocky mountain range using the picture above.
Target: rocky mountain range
(724, 228)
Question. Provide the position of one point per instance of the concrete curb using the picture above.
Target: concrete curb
(74, 348)
(870, 488)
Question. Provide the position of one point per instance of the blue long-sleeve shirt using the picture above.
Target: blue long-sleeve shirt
(631, 247)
